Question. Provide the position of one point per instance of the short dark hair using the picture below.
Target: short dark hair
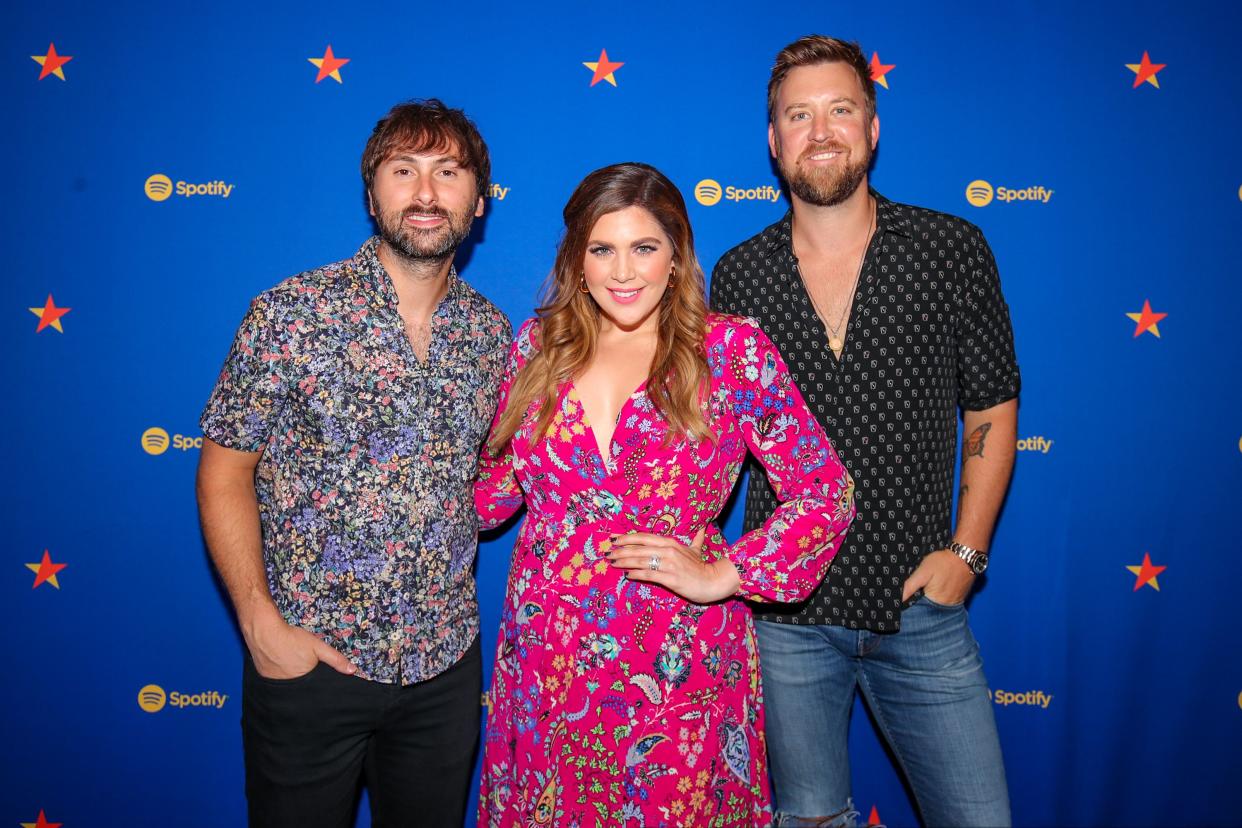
(812, 50)
(426, 126)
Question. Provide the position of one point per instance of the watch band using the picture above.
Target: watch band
(974, 558)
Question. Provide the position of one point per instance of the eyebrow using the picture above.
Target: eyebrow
(645, 240)
(437, 159)
(840, 99)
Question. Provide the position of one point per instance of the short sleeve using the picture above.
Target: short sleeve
(251, 388)
(987, 367)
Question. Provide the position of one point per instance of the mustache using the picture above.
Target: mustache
(818, 148)
(426, 211)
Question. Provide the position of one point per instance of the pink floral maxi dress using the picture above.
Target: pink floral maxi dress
(620, 703)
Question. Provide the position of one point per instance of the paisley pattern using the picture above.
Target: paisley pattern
(620, 703)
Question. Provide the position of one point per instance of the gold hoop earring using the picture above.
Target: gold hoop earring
(582, 288)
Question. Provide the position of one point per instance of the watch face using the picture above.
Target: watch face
(980, 564)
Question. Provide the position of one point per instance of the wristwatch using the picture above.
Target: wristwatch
(976, 560)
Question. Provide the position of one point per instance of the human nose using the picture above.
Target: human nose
(424, 191)
(819, 129)
(624, 270)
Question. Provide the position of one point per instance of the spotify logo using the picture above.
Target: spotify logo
(151, 698)
(158, 187)
(155, 440)
(979, 193)
(707, 192)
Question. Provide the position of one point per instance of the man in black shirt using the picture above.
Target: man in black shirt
(891, 318)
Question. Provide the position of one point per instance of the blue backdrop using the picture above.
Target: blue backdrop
(1118, 691)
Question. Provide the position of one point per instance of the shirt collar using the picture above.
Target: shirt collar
(890, 216)
(377, 283)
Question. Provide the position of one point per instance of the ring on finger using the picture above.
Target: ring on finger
(654, 563)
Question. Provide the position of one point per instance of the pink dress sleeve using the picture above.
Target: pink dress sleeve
(497, 495)
(785, 559)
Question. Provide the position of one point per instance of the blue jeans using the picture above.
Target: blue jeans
(926, 689)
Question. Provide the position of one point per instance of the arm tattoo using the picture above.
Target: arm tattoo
(973, 447)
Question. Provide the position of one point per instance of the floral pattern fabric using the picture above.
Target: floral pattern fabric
(365, 485)
(620, 703)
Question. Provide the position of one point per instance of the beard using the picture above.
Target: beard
(430, 244)
(827, 186)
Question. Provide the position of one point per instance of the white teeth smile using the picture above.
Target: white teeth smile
(824, 156)
(625, 294)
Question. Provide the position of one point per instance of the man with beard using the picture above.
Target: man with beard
(336, 495)
(891, 318)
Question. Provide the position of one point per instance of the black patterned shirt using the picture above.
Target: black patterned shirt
(366, 483)
(929, 332)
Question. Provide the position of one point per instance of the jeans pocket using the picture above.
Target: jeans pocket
(945, 607)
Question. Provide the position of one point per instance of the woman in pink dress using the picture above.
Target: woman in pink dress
(626, 683)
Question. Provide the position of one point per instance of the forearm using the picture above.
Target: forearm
(987, 465)
(229, 512)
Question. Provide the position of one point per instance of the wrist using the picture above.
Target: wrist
(729, 576)
(259, 614)
(975, 559)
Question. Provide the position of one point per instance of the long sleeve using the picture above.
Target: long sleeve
(785, 559)
(497, 495)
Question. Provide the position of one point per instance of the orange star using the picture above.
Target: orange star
(51, 62)
(879, 70)
(45, 570)
(49, 314)
(1145, 71)
(42, 822)
(1146, 320)
(329, 65)
(1146, 573)
(603, 68)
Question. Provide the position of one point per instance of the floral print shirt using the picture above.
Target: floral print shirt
(616, 702)
(365, 485)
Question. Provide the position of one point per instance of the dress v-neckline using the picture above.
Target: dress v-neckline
(605, 452)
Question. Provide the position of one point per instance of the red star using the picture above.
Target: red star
(879, 70)
(49, 314)
(45, 570)
(1146, 573)
(329, 65)
(1146, 320)
(603, 68)
(1145, 71)
(42, 823)
(51, 62)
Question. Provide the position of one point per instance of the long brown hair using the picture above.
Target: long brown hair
(569, 319)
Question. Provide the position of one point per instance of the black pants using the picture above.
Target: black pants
(310, 742)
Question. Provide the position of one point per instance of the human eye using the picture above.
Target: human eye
(598, 250)
(449, 172)
(799, 116)
(645, 249)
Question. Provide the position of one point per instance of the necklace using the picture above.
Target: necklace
(836, 333)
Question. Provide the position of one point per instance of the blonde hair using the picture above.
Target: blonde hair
(569, 318)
